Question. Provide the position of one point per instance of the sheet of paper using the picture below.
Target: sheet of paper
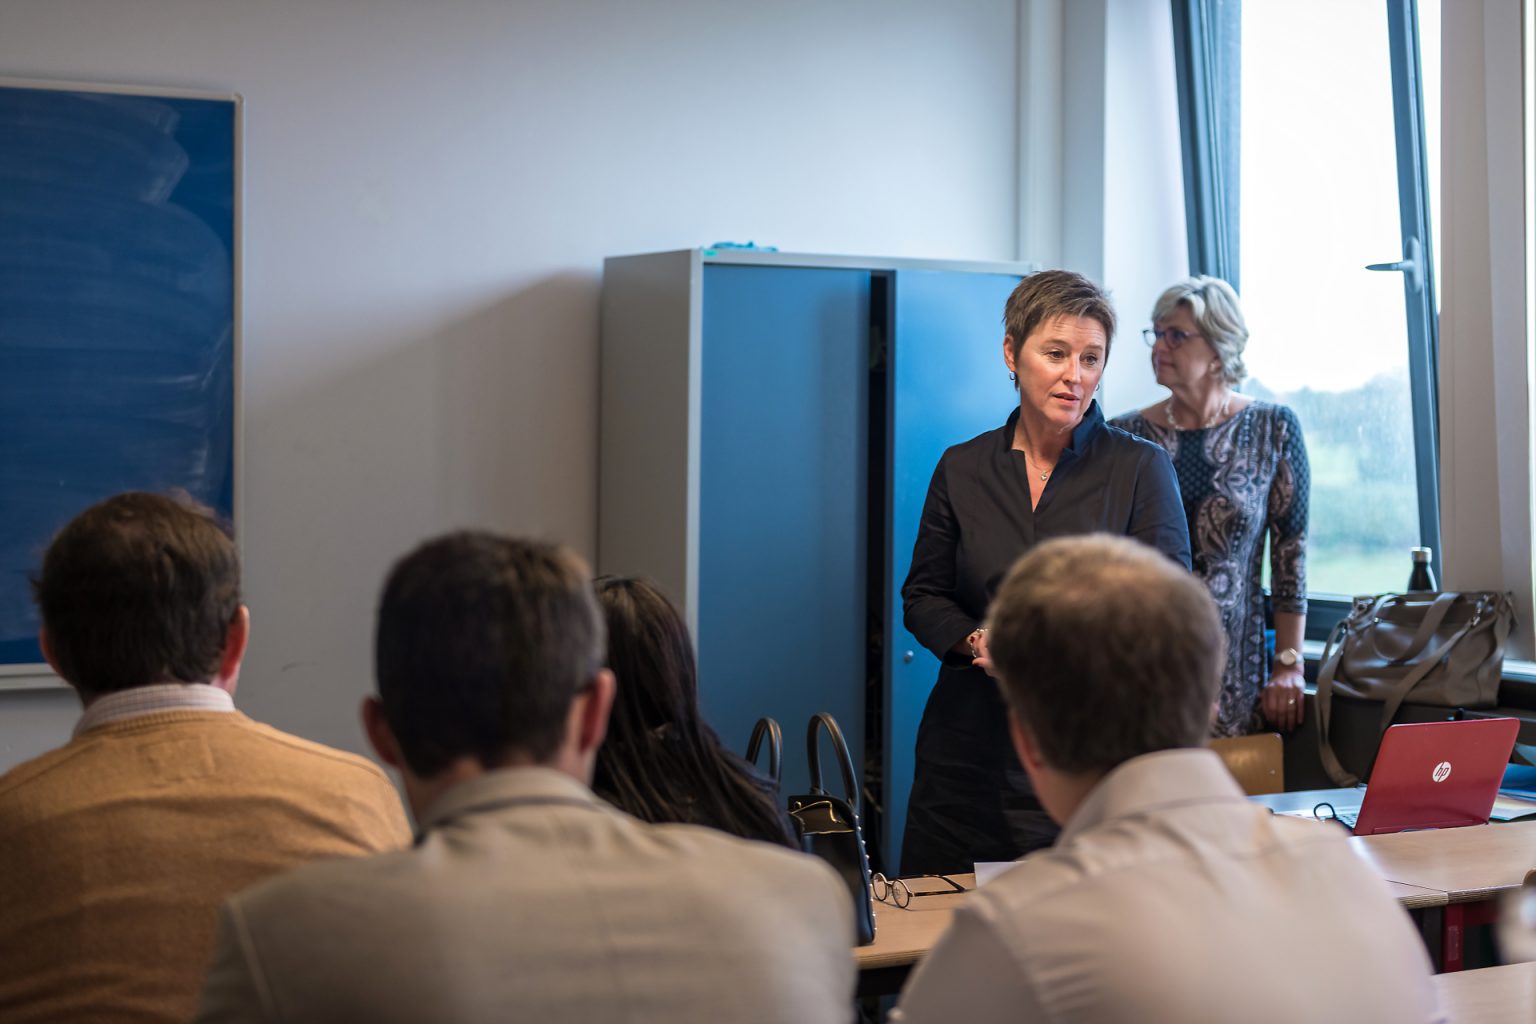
(988, 870)
(1512, 807)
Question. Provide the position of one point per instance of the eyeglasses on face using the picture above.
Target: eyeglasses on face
(898, 891)
(1172, 336)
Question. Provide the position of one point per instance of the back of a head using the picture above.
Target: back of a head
(482, 644)
(649, 649)
(136, 590)
(1106, 651)
(661, 761)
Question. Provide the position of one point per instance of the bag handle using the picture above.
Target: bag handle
(1427, 626)
(1421, 668)
(823, 720)
(767, 728)
(1503, 621)
(1500, 624)
(1332, 653)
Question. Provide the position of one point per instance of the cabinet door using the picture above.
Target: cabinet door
(783, 453)
(948, 383)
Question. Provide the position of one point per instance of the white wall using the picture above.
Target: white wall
(429, 192)
(1486, 362)
(1146, 244)
(1119, 192)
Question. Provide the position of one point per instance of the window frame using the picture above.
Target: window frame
(1207, 54)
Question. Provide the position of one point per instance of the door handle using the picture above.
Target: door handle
(1411, 264)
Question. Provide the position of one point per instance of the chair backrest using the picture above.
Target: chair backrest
(1257, 762)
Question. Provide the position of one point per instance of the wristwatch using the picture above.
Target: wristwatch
(1290, 658)
(973, 636)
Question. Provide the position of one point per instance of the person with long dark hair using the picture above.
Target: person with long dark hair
(661, 762)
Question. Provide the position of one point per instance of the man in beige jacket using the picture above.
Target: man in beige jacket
(117, 848)
(525, 898)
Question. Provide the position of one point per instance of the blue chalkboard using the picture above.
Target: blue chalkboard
(118, 347)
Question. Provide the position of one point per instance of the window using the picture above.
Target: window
(1304, 140)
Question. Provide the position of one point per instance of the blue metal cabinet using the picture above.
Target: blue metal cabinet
(782, 511)
(769, 423)
(948, 383)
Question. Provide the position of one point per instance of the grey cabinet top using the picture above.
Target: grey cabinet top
(762, 258)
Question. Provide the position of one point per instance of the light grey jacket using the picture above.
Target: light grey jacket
(529, 899)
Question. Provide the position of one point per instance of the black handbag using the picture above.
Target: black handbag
(767, 728)
(829, 825)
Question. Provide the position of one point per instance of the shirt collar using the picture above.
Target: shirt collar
(495, 789)
(148, 700)
(1156, 781)
(1093, 419)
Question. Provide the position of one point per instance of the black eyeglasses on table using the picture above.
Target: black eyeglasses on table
(898, 891)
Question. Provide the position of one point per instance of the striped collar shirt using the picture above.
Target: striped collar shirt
(148, 700)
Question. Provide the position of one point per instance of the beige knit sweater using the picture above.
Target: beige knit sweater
(117, 848)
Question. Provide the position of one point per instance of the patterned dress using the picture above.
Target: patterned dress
(1241, 480)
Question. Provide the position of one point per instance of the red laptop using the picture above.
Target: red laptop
(1433, 775)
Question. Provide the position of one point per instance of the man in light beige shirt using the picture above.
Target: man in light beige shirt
(1168, 896)
(526, 898)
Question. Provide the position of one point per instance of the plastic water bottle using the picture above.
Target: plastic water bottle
(1423, 577)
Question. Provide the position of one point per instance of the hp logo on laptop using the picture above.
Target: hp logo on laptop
(1442, 771)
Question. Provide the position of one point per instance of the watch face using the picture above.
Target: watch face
(1287, 657)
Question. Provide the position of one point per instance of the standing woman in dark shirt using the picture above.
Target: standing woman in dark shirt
(661, 761)
(1055, 468)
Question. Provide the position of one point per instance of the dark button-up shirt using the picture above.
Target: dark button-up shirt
(977, 519)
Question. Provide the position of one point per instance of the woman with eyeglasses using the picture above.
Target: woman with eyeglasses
(661, 762)
(1243, 474)
(1053, 469)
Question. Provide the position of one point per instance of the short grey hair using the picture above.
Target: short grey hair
(1217, 312)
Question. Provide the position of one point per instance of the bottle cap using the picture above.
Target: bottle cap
(1423, 554)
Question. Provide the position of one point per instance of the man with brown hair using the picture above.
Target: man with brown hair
(1168, 896)
(526, 898)
(117, 848)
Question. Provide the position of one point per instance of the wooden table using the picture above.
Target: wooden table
(1493, 995)
(1472, 866)
(1414, 897)
(1469, 864)
(904, 936)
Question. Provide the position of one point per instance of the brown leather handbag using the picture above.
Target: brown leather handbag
(1443, 648)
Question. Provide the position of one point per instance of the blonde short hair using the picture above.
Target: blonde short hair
(1219, 315)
